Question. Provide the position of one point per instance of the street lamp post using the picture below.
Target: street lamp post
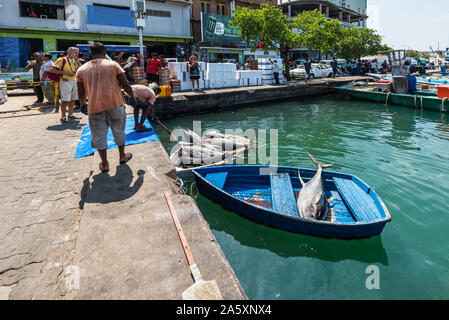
(139, 8)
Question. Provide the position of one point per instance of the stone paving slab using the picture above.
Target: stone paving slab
(60, 215)
(38, 193)
(129, 248)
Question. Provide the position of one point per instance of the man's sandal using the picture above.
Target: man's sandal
(129, 157)
(103, 170)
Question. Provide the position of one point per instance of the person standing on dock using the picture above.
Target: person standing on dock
(153, 67)
(100, 80)
(164, 63)
(275, 69)
(67, 67)
(308, 67)
(36, 65)
(194, 69)
(374, 66)
(47, 85)
(334, 67)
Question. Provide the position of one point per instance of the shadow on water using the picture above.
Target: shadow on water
(286, 244)
(105, 188)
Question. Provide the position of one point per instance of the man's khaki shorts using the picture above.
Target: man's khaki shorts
(69, 90)
(101, 122)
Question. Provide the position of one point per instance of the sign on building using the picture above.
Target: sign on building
(216, 28)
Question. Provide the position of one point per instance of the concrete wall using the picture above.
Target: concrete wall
(176, 25)
(356, 5)
(10, 18)
(184, 103)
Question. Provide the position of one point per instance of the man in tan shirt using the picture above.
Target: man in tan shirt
(100, 81)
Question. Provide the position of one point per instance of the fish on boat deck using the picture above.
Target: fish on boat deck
(312, 202)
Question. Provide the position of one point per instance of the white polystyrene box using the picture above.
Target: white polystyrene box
(186, 85)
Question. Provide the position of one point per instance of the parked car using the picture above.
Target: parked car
(299, 62)
(319, 70)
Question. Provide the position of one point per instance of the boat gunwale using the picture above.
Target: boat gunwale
(346, 87)
(305, 220)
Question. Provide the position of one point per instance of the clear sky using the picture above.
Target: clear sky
(415, 24)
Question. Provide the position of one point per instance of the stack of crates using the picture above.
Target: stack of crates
(3, 92)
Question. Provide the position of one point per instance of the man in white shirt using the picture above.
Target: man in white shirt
(48, 87)
(374, 66)
(275, 70)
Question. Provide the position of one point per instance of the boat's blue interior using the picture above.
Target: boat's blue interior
(351, 200)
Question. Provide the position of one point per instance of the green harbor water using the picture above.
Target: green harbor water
(403, 154)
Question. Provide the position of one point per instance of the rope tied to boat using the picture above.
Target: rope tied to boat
(442, 104)
(416, 105)
(421, 102)
(386, 101)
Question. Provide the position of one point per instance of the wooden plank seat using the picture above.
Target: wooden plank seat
(282, 196)
(359, 203)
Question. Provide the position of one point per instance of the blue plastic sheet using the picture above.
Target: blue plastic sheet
(85, 149)
(110, 16)
(9, 50)
(25, 51)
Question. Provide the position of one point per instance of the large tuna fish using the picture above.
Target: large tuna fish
(312, 201)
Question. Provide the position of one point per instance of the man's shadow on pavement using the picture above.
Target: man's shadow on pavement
(105, 188)
(71, 125)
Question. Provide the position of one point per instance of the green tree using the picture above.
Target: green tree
(317, 32)
(416, 54)
(356, 43)
(267, 26)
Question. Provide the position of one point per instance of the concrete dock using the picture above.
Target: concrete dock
(210, 100)
(70, 232)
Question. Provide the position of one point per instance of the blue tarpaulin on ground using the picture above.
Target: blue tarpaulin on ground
(110, 16)
(85, 149)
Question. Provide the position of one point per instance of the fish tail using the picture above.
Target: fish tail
(320, 165)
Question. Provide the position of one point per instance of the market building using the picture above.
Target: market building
(215, 40)
(350, 13)
(51, 25)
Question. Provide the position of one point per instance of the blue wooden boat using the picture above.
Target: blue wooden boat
(270, 199)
